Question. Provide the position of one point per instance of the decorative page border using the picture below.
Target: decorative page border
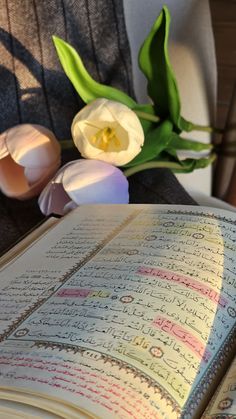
(203, 214)
(225, 353)
(122, 365)
(208, 377)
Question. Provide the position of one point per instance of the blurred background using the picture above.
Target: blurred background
(224, 26)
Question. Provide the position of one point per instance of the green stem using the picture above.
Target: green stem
(152, 165)
(196, 127)
(147, 116)
(67, 144)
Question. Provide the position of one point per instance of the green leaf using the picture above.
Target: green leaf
(185, 125)
(87, 88)
(155, 64)
(147, 108)
(189, 165)
(155, 141)
(170, 154)
(179, 143)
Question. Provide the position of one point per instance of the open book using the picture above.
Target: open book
(121, 311)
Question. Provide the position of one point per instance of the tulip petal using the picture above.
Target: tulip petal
(55, 201)
(97, 110)
(3, 147)
(12, 180)
(84, 182)
(51, 192)
(32, 145)
(122, 121)
(34, 174)
(95, 182)
(44, 199)
(69, 207)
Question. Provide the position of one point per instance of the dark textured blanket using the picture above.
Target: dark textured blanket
(34, 89)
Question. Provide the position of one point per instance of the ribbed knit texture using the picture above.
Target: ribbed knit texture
(33, 87)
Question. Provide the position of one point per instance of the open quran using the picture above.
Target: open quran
(121, 311)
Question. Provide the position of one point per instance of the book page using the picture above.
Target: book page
(30, 238)
(29, 280)
(14, 410)
(223, 403)
(130, 310)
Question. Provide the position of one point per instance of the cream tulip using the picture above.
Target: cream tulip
(109, 131)
(84, 182)
(29, 157)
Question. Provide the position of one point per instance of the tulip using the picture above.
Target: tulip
(109, 131)
(29, 157)
(84, 182)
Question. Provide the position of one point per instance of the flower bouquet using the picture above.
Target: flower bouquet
(115, 136)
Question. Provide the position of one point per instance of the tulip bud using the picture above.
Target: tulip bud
(84, 182)
(29, 157)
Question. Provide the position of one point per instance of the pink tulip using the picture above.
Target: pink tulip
(29, 157)
(84, 182)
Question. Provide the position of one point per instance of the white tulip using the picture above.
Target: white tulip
(29, 157)
(109, 131)
(84, 182)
